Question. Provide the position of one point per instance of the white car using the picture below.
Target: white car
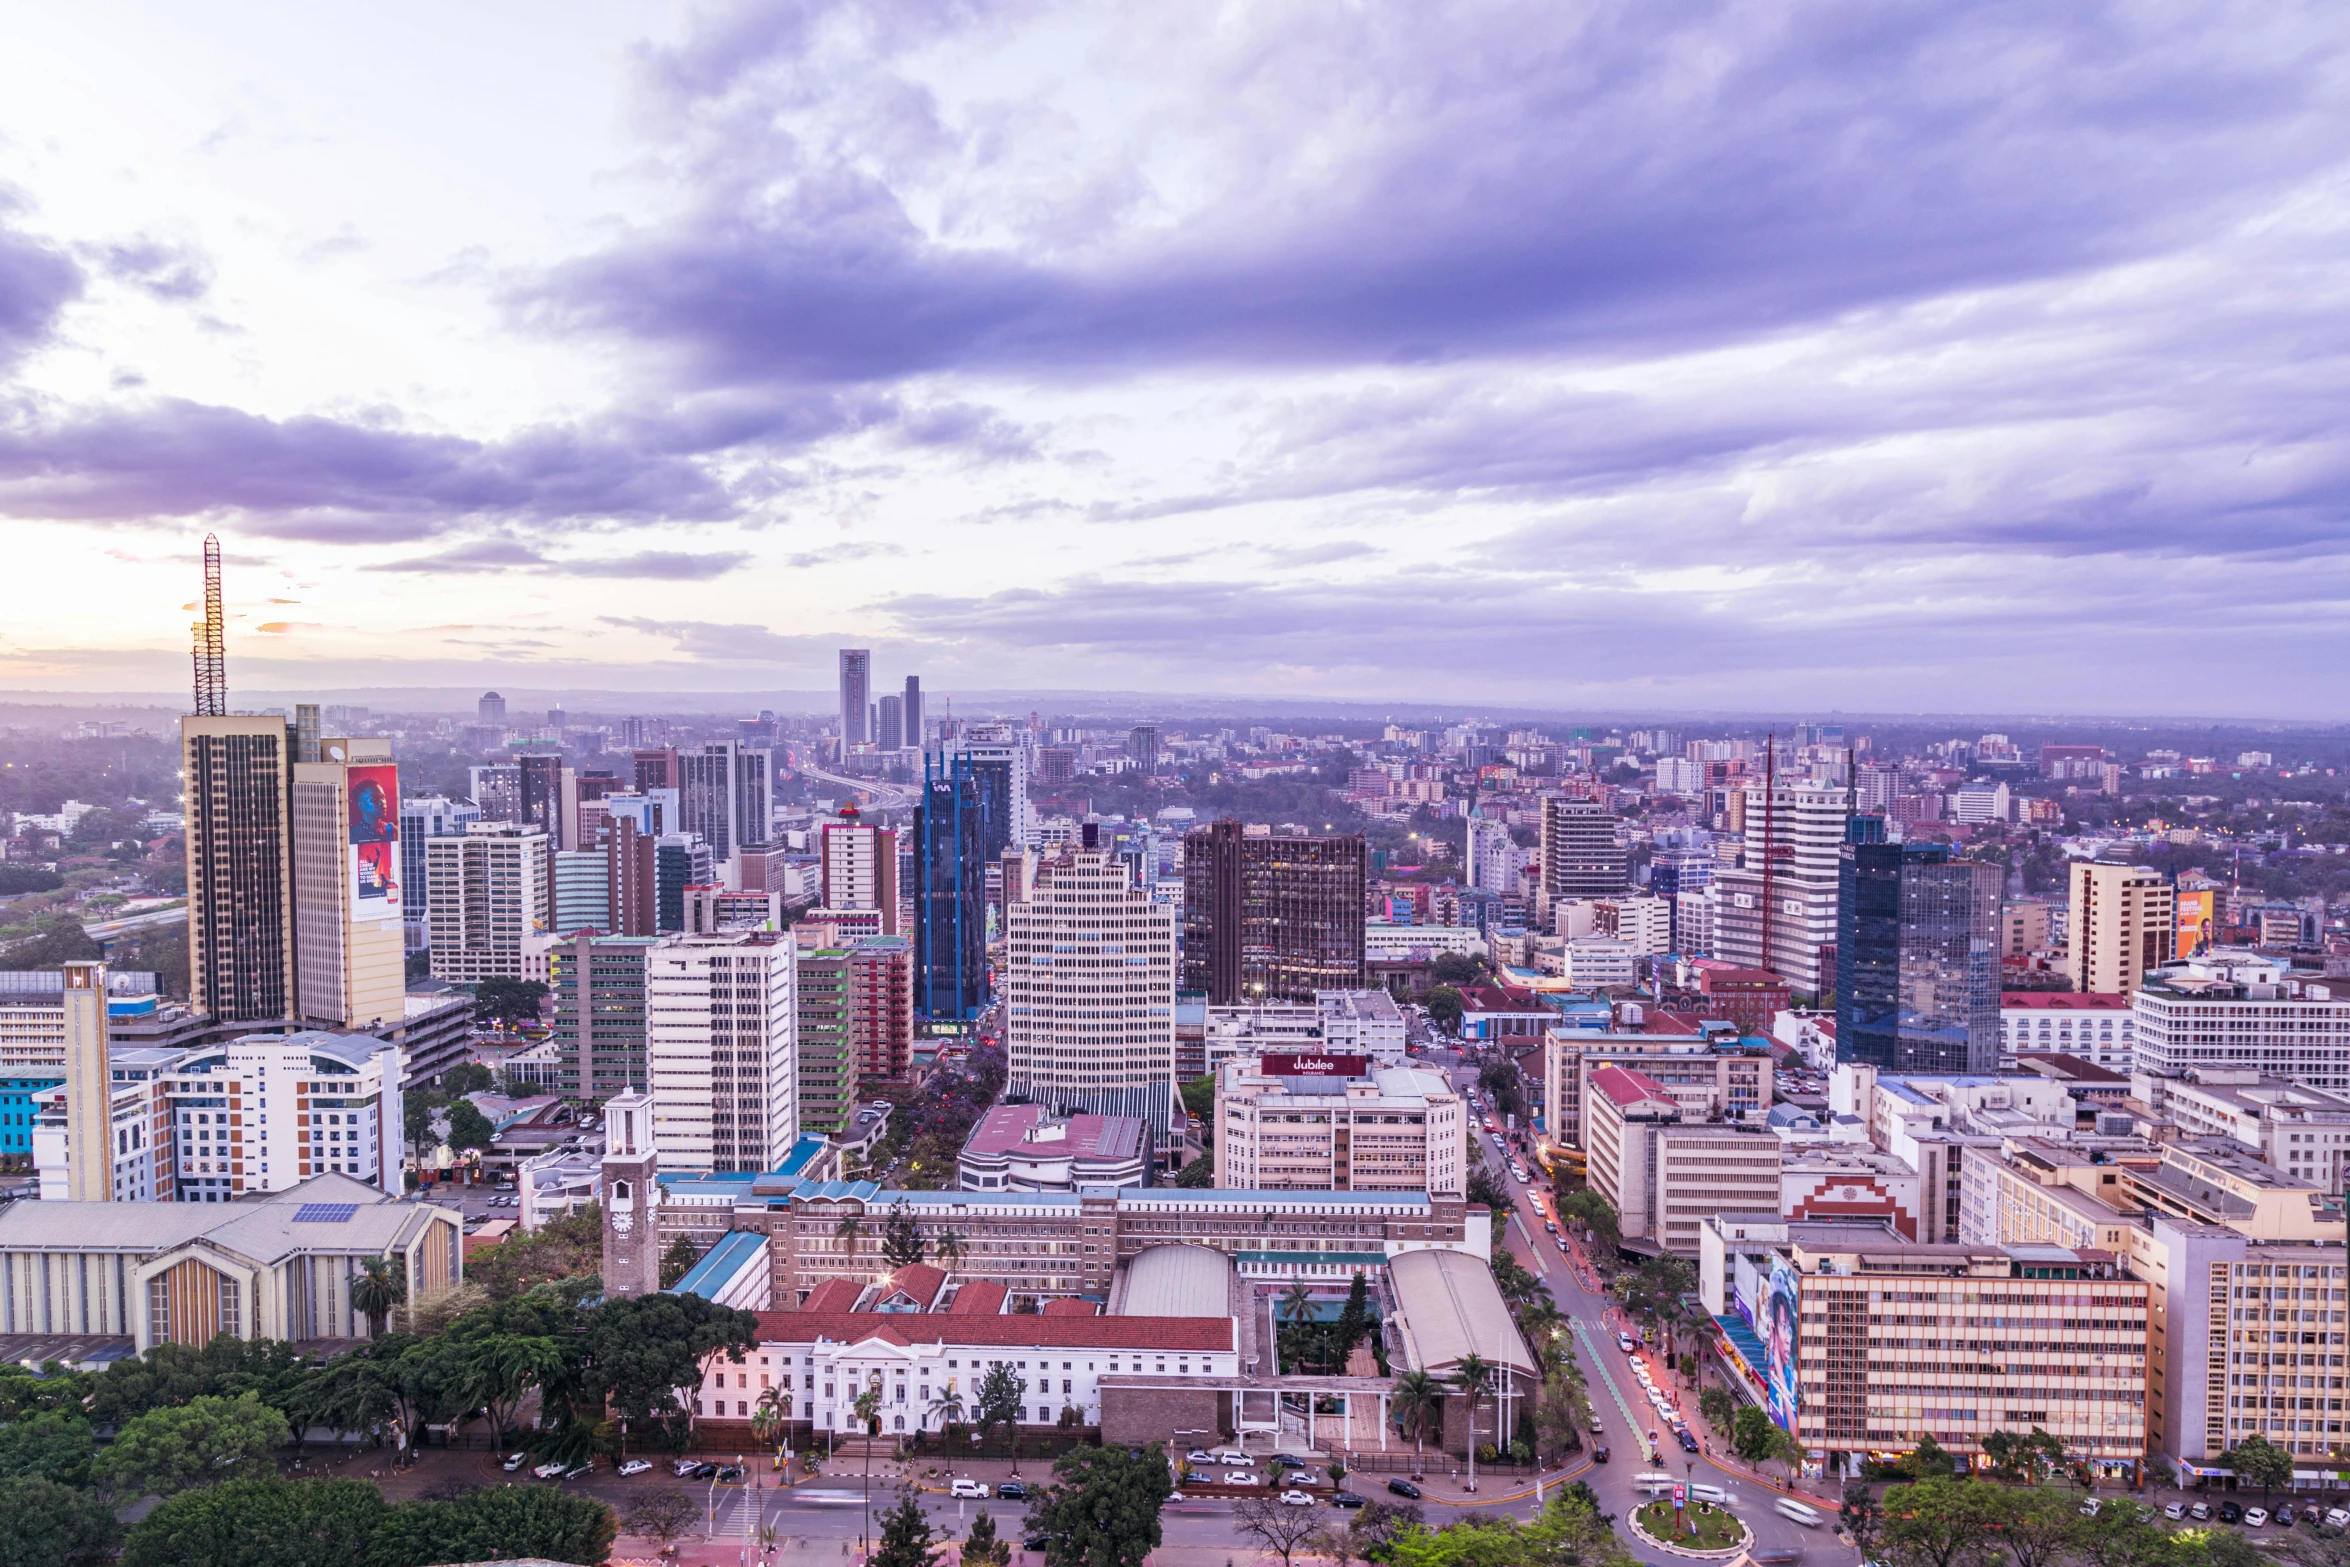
(1196, 1456)
(2255, 1517)
(1296, 1499)
(549, 1471)
(637, 1466)
(972, 1489)
(513, 1461)
(2175, 1511)
(1225, 1455)
(1241, 1477)
(684, 1467)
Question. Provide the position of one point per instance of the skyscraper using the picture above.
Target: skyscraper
(914, 712)
(1142, 745)
(2122, 921)
(1089, 984)
(1495, 860)
(1270, 918)
(349, 904)
(859, 866)
(599, 1029)
(1777, 908)
(491, 709)
(724, 796)
(422, 817)
(892, 733)
(1917, 956)
(856, 696)
(540, 803)
(1580, 855)
(489, 890)
(957, 815)
(237, 772)
(721, 1050)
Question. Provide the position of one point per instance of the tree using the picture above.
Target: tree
(646, 1354)
(260, 1522)
(1718, 1408)
(2039, 1526)
(1940, 1523)
(662, 1515)
(508, 1003)
(501, 1522)
(1927, 1460)
(466, 1077)
(1859, 1516)
(2258, 1461)
(1454, 968)
(468, 1127)
(1102, 1507)
(1371, 1532)
(416, 1113)
(982, 1547)
(54, 1442)
(57, 941)
(901, 1237)
(999, 1399)
(379, 1285)
(1417, 1407)
(166, 1451)
(1472, 1374)
(1354, 1319)
(1653, 1292)
(678, 1261)
(1199, 1174)
(1199, 1102)
(504, 1367)
(2028, 1458)
(769, 1416)
(1271, 1526)
(947, 1248)
(2123, 1534)
(948, 1409)
(53, 1525)
(1596, 1214)
(1750, 1434)
(1486, 1189)
(905, 1535)
(1445, 1007)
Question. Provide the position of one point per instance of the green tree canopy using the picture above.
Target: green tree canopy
(50, 1524)
(53, 1442)
(2258, 1461)
(466, 1077)
(982, 1547)
(645, 1353)
(166, 1451)
(1199, 1102)
(1941, 1522)
(905, 1535)
(508, 1003)
(1750, 1434)
(1455, 968)
(468, 1127)
(1102, 1507)
(678, 1260)
(1445, 1008)
(1199, 1174)
(901, 1237)
(57, 940)
(266, 1521)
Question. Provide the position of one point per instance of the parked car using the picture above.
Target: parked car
(1404, 1488)
(2175, 1511)
(1293, 1461)
(1688, 1440)
(2091, 1507)
(1296, 1499)
(2229, 1512)
(2336, 1517)
(1598, 1428)
(514, 1461)
(684, 1468)
(1346, 1499)
(730, 1474)
(1225, 1455)
(636, 1466)
(1546, 1224)
(1197, 1456)
(576, 1470)
(548, 1471)
(1624, 1343)
(705, 1471)
(2283, 1516)
(1599, 1455)
(1012, 1490)
(1036, 1542)
(972, 1490)
(2200, 1511)
(2256, 1518)
(1565, 1250)
(1241, 1477)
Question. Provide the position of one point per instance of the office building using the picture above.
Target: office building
(1362, 1023)
(724, 796)
(2097, 1028)
(539, 796)
(1581, 857)
(1665, 1175)
(651, 768)
(237, 775)
(425, 817)
(859, 867)
(716, 908)
(599, 988)
(1315, 1121)
(1917, 959)
(721, 1032)
(1089, 985)
(915, 737)
(1142, 747)
(1496, 863)
(856, 695)
(827, 1040)
(489, 891)
(995, 756)
(1023, 1148)
(1271, 918)
(1777, 907)
(2025, 927)
(350, 949)
(1720, 1079)
(881, 983)
(2235, 1010)
(891, 734)
(2118, 925)
(632, 878)
(2302, 1131)
(491, 709)
(958, 815)
(680, 860)
(583, 890)
(129, 1139)
(1861, 1343)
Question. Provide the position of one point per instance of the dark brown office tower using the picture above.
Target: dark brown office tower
(656, 767)
(630, 881)
(238, 775)
(1269, 918)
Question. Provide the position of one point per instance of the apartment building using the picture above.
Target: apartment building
(2118, 926)
(489, 890)
(1786, 920)
(2095, 1027)
(721, 1045)
(2232, 1009)
(1325, 1122)
(1729, 1080)
(1089, 984)
(1663, 1176)
(2303, 1131)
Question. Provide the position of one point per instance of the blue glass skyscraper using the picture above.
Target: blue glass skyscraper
(963, 822)
(1917, 955)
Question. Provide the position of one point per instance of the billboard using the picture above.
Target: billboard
(2198, 926)
(1781, 1319)
(374, 793)
(1317, 1066)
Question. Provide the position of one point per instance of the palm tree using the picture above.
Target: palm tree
(1299, 1303)
(851, 1225)
(1471, 1374)
(867, 1404)
(375, 1289)
(768, 1416)
(948, 1407)
(1418, 1403)
(948, 1249)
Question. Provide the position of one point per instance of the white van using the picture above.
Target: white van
(1650, 1480)
(1794, 1511)
(1703, 1492)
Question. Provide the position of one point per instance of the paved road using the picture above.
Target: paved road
(882, 796)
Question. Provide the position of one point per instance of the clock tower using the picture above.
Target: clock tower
(630, 1197)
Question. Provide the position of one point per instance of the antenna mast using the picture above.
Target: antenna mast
(211, 644)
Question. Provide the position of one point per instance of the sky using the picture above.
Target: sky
(1872, 356)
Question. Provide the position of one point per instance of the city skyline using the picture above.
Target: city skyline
(1834, 359)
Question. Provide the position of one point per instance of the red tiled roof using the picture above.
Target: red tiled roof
(2067, 1000)
(1627, 1087)
(834, 1295)
(919, 1281)
(1071, 1308)
(980, 1297)
(1658, 1020)
(1183, 1334)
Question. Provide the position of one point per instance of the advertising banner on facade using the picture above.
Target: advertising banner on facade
(2199, 917)
(375, 842)
(1782, 1318)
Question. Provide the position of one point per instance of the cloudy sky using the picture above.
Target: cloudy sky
(1866, 355)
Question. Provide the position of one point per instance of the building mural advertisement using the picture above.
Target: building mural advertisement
(2199, 922)
(375, 842)
(1781, 1321)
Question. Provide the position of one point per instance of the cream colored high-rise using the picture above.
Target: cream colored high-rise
(722, 1050)
(89, 1100)
(488, 892)
(349, 958)
(2120, 925)
(1089, 982)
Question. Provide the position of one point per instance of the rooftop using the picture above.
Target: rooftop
(2065, 1000)
(1178, 1281)
(1007, 1128)
(1189, 1335)
(1627, 1087)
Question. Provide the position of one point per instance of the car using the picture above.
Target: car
(1565, 1250)
(2255, 1518)
(1688, 1441)
(1036, 1542)
(549, 1471)
(730, 1474)
(1599, 1455)
(1293, 1461)
(2175, 1511)
(1404, 1488)
(513, 1461)
(2200, 1511)
(1548, 1225)
(1347, 1499)
(1198, 1456)
(2283, 1516)
(1776, 1556)
(1624, 1343)
(684, 1468)
(2338, 1517)
(1226, 1455)
(1598, 1427)
(1241, 1477)
(2229, 1512)
(1012, 1490)
(636, 1466)
(972, 1490)
(1296, 1499)
(576, 1470)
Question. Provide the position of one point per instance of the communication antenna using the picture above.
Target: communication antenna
(211, 645)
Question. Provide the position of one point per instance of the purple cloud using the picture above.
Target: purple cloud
(36, 284)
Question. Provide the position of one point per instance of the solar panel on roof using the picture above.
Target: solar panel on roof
(325, 1212)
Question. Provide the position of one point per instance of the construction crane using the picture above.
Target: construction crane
(211, 645)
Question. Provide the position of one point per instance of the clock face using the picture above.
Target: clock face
(622, 1221)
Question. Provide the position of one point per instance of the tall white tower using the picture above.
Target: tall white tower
(630, 1197)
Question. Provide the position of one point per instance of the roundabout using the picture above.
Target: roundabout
(1719, 1534)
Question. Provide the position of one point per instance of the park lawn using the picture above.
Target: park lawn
(1716, 1530)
